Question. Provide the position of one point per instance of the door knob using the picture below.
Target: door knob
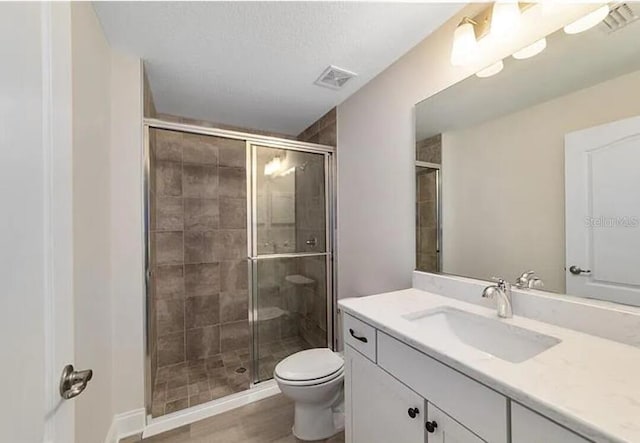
(73, 382)
(413, 412)
(431, 426)
(575, 270)
(313, 242)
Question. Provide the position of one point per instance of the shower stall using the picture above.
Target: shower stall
(239, 259)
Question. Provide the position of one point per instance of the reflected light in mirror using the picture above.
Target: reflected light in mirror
(491, 70)
(505, 18)
(588, 21)
(531, 50)
(465, 45)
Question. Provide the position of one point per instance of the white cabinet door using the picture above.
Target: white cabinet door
(529, 427)
(378, 406)
(443, 429)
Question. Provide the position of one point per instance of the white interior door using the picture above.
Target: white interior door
(36, 302)
(602, 201)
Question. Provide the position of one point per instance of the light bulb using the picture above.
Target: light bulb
(491, 70)
(588, 21)
(505, 18)
(531, 50)
(465, 45)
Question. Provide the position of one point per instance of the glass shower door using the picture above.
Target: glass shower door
(290, 255)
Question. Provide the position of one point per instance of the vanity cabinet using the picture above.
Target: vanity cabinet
(530, 427)
(381, 408)
(395, 393)
(446, 429)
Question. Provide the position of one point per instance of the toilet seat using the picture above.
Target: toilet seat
(310, 367)
(314, 382)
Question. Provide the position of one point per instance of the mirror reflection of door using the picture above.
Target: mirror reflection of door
(428, 226)
(602, 185)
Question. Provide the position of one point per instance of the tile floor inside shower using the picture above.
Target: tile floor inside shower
(195, 382)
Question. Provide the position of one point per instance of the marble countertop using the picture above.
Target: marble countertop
(588, 384)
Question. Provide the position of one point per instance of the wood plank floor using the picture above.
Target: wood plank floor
(266, 421)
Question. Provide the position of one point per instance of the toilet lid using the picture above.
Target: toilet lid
(309, 365)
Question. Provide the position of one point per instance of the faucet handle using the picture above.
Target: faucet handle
(502, 283)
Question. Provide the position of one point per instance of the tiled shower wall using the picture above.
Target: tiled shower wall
(199, 237)
(427, 150)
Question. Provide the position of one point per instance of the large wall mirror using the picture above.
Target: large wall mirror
(538, 168)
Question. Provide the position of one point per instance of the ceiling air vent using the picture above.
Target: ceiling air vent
(621, 15)
(334, 78)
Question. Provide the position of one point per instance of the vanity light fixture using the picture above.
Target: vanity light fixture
(465, 44)
(588, 21)
(505, 18)
(491, 70)
(531, 50)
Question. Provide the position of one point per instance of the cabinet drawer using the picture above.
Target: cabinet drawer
(359, 336)
(479, 408)
(530, 427)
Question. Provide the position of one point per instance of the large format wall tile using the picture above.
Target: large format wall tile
(231, 244)
(203, 342)
(199, 149)
(201, 214)
(200, 181)
(169, 248)
(202, 311)
(234, 336)
(200, 247)
(234, 275)
(233, 182)
(171, 349)
(169, 214)
(233, 213)
(168, 178)
(169, 316)
(231, 153)
(168, 145)
(169, 281)
(202, 279)
(234, 306)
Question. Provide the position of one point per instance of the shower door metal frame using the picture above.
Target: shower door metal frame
(252, 245)
(262, 140)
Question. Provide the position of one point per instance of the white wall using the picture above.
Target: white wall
(503, 189)
(91, 66)
(127, 233)
(107, 109)
(376, 142)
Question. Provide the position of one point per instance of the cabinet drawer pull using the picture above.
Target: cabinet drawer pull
(413, 412)
(431, 426)
(362, 339)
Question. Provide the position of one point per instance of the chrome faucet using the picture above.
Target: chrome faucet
(529, 280)
(502, 293)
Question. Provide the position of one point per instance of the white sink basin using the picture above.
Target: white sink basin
(452, 327)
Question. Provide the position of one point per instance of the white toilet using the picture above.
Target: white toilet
(313, 379)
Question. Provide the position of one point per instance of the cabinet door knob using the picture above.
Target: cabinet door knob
(413, 412)
(431, 426)
(353, 334)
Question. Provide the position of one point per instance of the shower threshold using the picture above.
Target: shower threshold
(193, 414)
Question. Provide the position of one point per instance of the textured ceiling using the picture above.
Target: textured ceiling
(253, 64)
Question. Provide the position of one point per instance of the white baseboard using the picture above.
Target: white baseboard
(206, 410)
(126, 424)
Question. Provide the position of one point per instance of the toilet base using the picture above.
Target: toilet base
(313, 423)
